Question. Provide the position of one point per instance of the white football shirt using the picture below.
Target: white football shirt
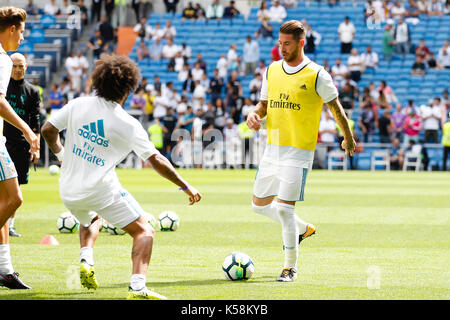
(99, 135)
(6, 65)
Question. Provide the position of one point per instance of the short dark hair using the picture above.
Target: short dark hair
(115, 77)
(295, 28)
(11, 16)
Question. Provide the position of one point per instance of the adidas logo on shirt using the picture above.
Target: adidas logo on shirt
(94, 132)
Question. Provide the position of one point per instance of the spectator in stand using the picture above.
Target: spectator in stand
(277, 12)
(327, 129)
(156, 86)
(199, 92)
(326, 66)
(385, 127)
(142, 29)
(443, 57)
(231, 55)
(446, 8)
(435, 8)
(398, 117)
(255, 87)
(388, 43)
(176, 63)
(142, 51)
(55, 99)
(346, 33)
(222, 66)
(109, 8)
(388, 92)
(369, 60)
(355, 63)
(265, 29)
(263, 13)
(411, 127)
(155, 50)
(215, 86)
(367, 121)
(161, 104)
(275, 53)
(432, 63)
(418, 68)
(189, 13)
(200, 61)
(339, 71)
(106, 30)
(158, 32)
(119, 14)
(234, 92)
(51, 8)
(96, 10)
(396, 155)
(97, 45)
(230, 11)
(431, 119)
(261, 68)
(169, 31)
(247, 107)
(186, 51)
(169, 121)
(184, 73)
(289, 3)
(214, 11)
(171, 5)
(250, 55)
(347, 98)
(197, 72)
(398, 10)
(138, 101)
(312, 39)
(31, 8)
(402, 37)
(412, 12)
(169, 50)
(423, 7)
(422, 50)
(200, 12)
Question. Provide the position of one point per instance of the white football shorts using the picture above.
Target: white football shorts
(7, 168)
(123, 211)
(284, 181)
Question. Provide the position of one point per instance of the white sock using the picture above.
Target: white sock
(137, 281)
(87, 254)
(289, 234)
(5, 260)
(11, 222)
(301, 225)
(269, 210)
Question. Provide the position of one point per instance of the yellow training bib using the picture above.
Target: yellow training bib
(293, 106)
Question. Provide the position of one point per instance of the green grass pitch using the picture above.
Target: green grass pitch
(379, 236)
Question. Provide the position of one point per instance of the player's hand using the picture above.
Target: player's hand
(253, 121)
(33, 140)
(349, 146)
(194, 195)
(35, 157)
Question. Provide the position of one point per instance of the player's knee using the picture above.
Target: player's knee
(259, 209)
(14, 202)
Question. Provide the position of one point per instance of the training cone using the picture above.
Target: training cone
(49, 240)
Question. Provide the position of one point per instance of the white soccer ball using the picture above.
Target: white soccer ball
(151, 219)
(168, 221)
(114, 230)
(67, 223)
(238, 266)
(53, 169)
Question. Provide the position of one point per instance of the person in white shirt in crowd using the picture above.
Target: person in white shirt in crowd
(434, 8)
(313, 39)
(51, 8)
(263, 13)
(247, 107)
(232, 55)
(289, 3)
(186, 51)
(339, 71)
(170, 49)
(158, 32)
(377, 5)
(255, 87)
(369, 60)
(443, 57)
(183, 74)
(169, 30)
(355, 63)
(346, 33)
(178, 62)
(261, 68)
(160, 104)
(250, 55)
(327, 128)
(204, 81)
(197, 72)
(398, 10)
(423, 6)
(155, 50)
(143, 30)
(84, 64)
(199, 92)
(431, 119)
(214, 10)
(221, 65)
(74, 69)
(88, 184)
(402, 37)
(277, 12)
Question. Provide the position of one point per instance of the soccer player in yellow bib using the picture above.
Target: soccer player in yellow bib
(292, 95)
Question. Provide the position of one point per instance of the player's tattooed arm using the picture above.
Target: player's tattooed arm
(166, 170)
(337, 110)
(51, 135)
(255, 117)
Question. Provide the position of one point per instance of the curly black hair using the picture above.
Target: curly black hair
(115, 77)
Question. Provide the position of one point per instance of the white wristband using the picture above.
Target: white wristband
(60, 154)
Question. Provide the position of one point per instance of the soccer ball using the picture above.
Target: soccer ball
(151, 219)
(114, 230)
(67, 223)
(168, 221)
(53, 169)
(238, 266)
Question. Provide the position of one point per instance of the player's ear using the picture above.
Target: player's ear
(302, 42)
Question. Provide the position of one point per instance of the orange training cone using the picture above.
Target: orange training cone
(49, 240)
